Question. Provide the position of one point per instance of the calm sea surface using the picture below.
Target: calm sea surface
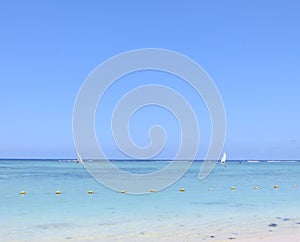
(210, 204)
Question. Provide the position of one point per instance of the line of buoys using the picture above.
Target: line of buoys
(182, 189)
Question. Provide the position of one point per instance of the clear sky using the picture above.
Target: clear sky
(249, 48)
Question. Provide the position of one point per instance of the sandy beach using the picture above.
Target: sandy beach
(284, 231)
(280, 230)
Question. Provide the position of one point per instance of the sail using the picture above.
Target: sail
(79, 159)
(223, 160)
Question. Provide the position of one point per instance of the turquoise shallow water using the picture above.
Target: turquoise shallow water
(106, 214)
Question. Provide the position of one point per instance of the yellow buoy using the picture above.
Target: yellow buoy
(57, 192)
(276, 186)
(233, 188)
(182, 189)
(255, 187)
(152, 190)
(22, 192)
(90, 192)
(123, 191)
(294, 186)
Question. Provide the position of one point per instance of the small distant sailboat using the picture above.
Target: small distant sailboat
(223, 160)
(79, 159)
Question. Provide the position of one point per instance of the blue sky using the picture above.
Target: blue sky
(249, 48)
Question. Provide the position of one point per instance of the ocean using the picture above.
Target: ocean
(234, 202)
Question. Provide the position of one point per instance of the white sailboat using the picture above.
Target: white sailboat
(79, 159)
(223, 160)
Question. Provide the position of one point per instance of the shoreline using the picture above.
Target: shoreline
(275, 229)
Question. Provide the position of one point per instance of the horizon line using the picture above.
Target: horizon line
(155, 159)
